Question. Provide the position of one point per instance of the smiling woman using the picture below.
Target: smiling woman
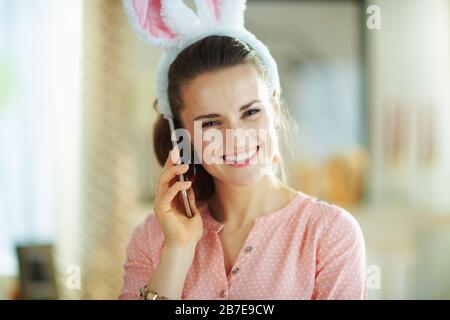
(251, 235)
(303, 248)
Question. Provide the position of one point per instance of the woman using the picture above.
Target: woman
(251, 236)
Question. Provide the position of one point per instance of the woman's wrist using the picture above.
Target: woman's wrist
(170, 274)
(181, 246)
(179, 252)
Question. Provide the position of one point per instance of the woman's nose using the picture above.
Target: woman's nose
(239, 138)
(236, 124)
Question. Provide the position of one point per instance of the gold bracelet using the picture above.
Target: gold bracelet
(148, 294)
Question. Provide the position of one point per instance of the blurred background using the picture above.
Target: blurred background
(367, 83)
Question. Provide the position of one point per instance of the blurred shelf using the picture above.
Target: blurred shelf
(409, 217)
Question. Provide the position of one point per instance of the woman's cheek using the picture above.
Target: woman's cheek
(210, 159)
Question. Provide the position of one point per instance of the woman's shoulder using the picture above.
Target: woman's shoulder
(324, 217)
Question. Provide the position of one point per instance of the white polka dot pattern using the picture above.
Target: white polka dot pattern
(307, 250)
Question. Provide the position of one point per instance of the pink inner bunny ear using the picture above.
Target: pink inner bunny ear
(214, 6)
(149, 15)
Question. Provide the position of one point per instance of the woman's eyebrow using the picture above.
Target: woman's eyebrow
(215, 115)
(248, 105)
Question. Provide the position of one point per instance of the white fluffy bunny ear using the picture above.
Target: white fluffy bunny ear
(160, 22)
(228, 13)
(179, 17)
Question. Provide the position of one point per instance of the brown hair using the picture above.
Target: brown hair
(209, 54)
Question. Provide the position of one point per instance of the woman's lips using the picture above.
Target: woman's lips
(239, 162)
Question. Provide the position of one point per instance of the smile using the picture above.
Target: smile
(243, 159)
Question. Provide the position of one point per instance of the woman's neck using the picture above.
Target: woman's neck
(239, 206)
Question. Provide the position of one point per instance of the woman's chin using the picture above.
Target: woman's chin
(242, 177)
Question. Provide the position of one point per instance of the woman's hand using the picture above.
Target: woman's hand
(178, 229)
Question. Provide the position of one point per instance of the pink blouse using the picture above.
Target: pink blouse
(308, 249)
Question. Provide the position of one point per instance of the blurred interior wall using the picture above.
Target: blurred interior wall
(409, 80)
(116, 103)
(40, 67)
(408, 70)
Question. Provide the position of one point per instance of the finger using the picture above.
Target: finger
(161, 188)
(172, 158)
(166, 201)
(171, 173)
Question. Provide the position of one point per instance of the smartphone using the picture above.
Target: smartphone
(182, 177)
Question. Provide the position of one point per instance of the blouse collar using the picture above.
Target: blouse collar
(210, 223)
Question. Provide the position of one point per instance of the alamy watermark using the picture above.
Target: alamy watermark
(73, 280)
(373, 21)
(229, 146)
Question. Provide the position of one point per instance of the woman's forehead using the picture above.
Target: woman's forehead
(230, 87)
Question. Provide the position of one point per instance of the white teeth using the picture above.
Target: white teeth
(241, 157)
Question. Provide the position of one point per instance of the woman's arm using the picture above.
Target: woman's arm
(150, 261)
(169, 236)
(170, 274)
(341, 259)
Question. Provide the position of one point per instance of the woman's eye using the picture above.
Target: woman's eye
(209, 124)
(251, 112)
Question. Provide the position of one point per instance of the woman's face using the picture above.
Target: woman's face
(231, 116)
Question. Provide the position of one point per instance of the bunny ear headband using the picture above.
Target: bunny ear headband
(173, 26)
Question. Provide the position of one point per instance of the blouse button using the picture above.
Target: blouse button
(222, 293)
(248, 249)
(235, 270)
